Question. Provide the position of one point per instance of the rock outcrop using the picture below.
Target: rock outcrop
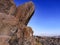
(13, 26)
(7, 6)
(24, 12)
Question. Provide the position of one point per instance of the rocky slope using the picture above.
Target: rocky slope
(44, 40)
(13, 23)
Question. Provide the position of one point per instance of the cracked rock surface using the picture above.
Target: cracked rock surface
(13, 23)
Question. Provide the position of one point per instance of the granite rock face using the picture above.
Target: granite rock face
(13, 26)
(26, 10)
(7, 6)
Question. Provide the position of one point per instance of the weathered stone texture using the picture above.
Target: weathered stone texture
(13, 27)
(24, 12)
(7, 6)
(8, 19)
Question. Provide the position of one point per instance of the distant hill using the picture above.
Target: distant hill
(46, 40)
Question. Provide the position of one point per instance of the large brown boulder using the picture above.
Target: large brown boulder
(24, 12)
(13, 28)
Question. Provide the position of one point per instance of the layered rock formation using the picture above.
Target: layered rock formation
(13, 23)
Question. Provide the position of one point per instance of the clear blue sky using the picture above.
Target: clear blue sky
(46, 19)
